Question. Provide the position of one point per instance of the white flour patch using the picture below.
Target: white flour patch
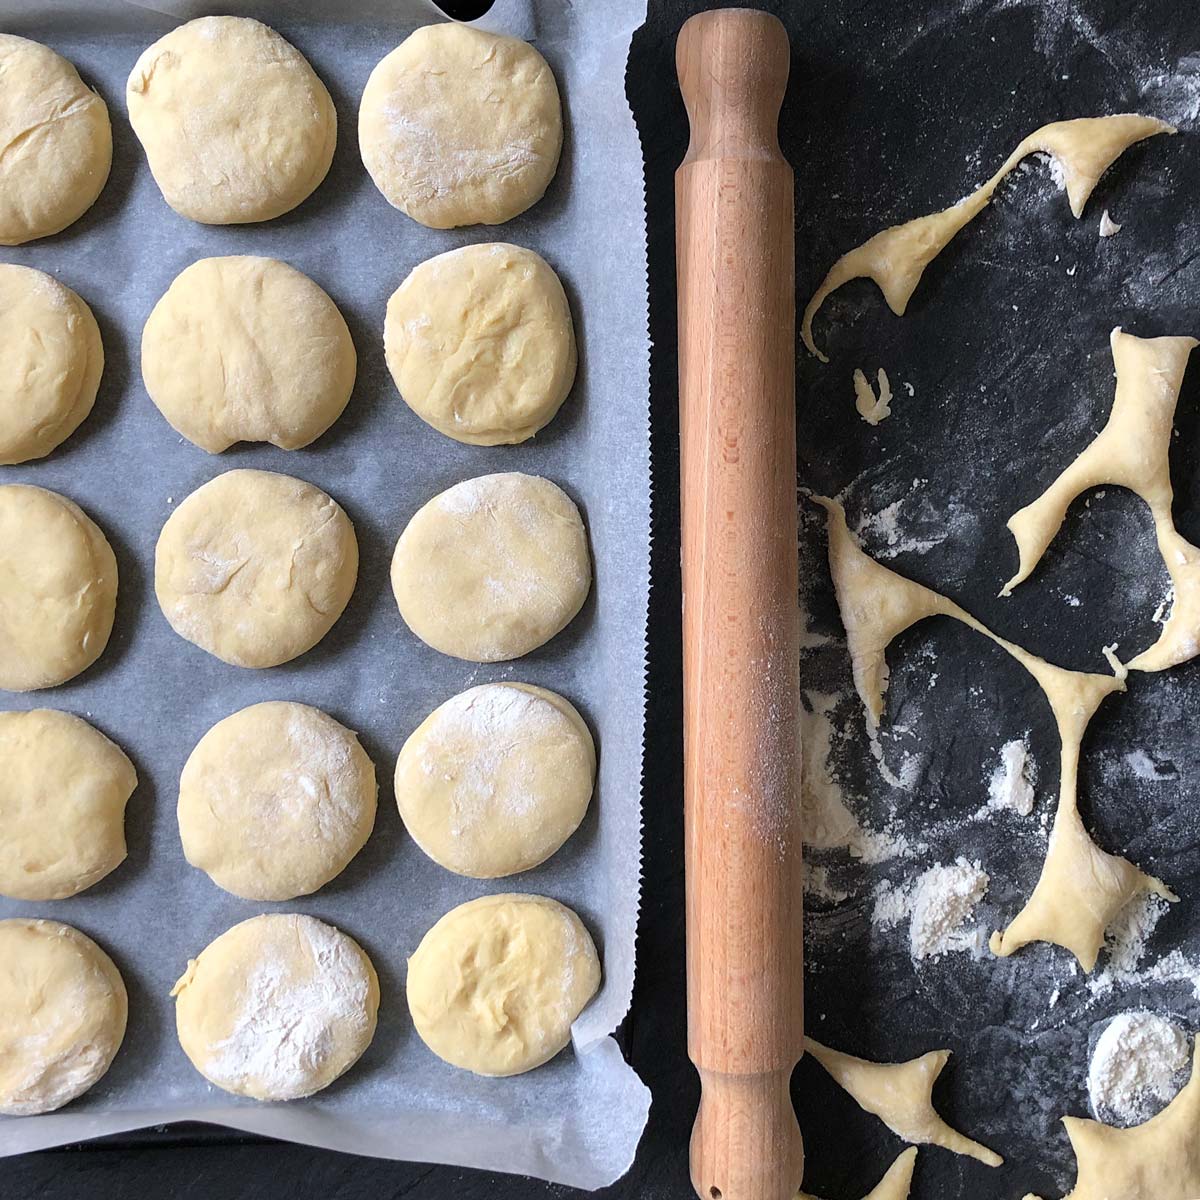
(1174, 95)
(1127, 938)
(1011, 783)
(1138, 1065)
(938, 906)
(818, 885)
(1144, 767)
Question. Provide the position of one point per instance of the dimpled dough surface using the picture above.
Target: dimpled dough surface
(51, 359)
(480, 343)
(277, 1007)
(461, 127)
(64, 1007)
(235, 123)
(57, 142)
(496, 779)
(495, 985)
(493, 567)
(63, 790)
(247, 349)
(58, 589)
(275, 800)
(255, 567)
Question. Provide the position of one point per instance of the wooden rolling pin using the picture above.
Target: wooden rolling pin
(735, 260)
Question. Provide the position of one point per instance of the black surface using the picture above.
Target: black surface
(897, 108)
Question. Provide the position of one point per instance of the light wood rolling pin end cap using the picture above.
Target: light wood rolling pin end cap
(746, 1144)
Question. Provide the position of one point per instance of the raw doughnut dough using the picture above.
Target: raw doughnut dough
(255, 567)
(1158, 1160)
(480, 343)
(64, 1008)
(275, 800)
(57, 142)
(493, 567)
(58, 589)
(235, 123)
(496, 779)
(901, 1096)
(62, 804)
(51, 359)
(461, 127)
(894, 1185)
(277, 1007)
(1132, 451)
(896, 258)
(246, 349)
(1081, 888)
(495, 985)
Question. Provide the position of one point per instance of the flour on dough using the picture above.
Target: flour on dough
(1131, 451)
(894, 1185)
(896, 258)
(901, 1096)
(1081, 888)
(1159, 1160)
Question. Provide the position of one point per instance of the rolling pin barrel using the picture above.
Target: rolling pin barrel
(735, 261)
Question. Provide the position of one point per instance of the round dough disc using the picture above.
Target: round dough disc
(255, 567)
(58, 589)
(246, 349)
(57, 140)
(493, 567)
(64, 1007)
(275, 800)
(235, 123)
(480, 343)
(496, 779)
(495, 985)
(277, 1007)
(51, 358)
(62, 805)
(461, 127)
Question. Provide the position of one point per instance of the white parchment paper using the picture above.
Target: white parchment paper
(578, 1119)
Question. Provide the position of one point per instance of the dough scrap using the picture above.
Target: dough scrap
(493, 567)
(480, 343)
(275, 801)
(1131, 451)
(871, 407)
(461, 127)
(1081, 888)
(277, 1008)
(896, 258)
(1157, 1160)
(58, 589)
(495, 985)
(894, 1185)
(51, 359)
(901, 1096)
(247, 349)
(65, 1009)
(235, 123)
(63, 791)
(496, 779)
(56, 139)
(255, 567)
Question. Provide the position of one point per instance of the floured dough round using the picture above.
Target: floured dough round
(480, 343)
(51, 359)
(493, 567)
(255, 567)
(461, 127)
(277, 1007)
(62, 804)
(235, 123)
(495, 985)
(64, 1007)
(57, 142)
(58, 589)
(246, 349)
(275, 800)
(496, 779)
